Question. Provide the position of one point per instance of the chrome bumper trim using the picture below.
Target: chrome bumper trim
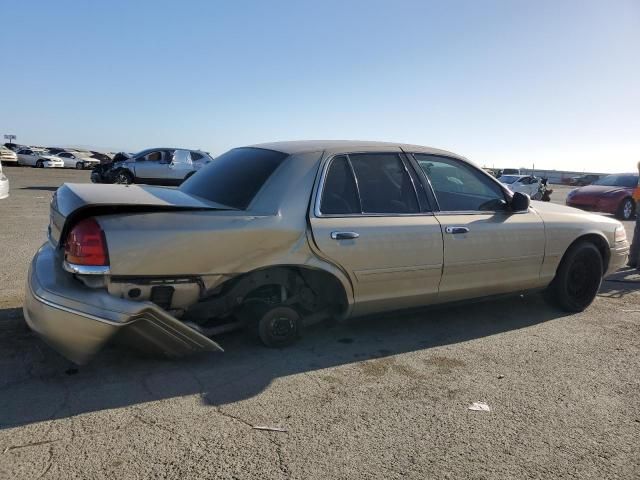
(86, 269)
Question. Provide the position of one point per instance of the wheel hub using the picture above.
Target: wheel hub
(282, 326)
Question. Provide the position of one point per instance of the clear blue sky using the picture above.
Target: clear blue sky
(508, 83)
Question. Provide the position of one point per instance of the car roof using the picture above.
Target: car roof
(333, 146)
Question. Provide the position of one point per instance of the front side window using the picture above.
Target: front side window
(153, 156)
(628, 181)
(234, 178)
(459, 187)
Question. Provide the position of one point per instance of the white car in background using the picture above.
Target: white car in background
(522, 183)
(38, 158)
(8, 156)
(4, 184)
(77, 160)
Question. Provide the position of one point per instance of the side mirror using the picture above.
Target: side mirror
(520, 202)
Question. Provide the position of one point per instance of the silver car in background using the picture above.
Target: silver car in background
(78, 160)
(33, 157)
(155, 166)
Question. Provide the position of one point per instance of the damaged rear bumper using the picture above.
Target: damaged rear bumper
(78, 321)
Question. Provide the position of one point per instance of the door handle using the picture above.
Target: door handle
(456, 230)
(344, 235)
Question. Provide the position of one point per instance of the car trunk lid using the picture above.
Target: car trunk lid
(71, 202)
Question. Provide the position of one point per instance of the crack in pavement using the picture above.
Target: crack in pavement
(31, 444)
(49, 464)
(282, 464)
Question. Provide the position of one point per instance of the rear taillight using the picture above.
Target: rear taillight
(86, 244)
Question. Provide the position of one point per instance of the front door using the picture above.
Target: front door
(153, 166)
(372, 218)
(488, 249)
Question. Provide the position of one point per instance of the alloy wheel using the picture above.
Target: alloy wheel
(627, 210)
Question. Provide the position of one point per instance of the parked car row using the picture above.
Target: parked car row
(51, 157)
(277, 236)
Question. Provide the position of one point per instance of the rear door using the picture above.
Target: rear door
(488, 249)
(371, 217)
(180, 166)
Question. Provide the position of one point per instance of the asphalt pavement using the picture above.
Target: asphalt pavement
(383, 397)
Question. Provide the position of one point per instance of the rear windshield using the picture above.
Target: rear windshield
(508, 178)
(234, 178)
(628, 181)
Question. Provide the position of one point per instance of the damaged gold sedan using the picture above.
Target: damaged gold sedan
(276, 236)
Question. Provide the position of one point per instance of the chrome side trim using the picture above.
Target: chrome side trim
(86, 269)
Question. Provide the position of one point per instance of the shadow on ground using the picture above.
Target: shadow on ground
(37, 384)
(621, 284)
(40, 187)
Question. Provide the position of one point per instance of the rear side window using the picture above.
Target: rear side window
(235, 177)
(375, 183)
(339, 195)
(383, 183)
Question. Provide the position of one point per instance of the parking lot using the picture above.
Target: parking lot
(383, 397)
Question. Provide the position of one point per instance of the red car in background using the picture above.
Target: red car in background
(611, 194)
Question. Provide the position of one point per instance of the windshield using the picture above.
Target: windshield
(235, 177)
(628, 181)
(508, 179)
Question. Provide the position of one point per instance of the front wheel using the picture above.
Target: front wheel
(123, 177)
(626, 209)
(578, 278)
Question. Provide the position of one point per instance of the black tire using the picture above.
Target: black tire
(123, 177)
(39, 164)
(578, 278)
(276, 326)
(79, 165)
(627, 209)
